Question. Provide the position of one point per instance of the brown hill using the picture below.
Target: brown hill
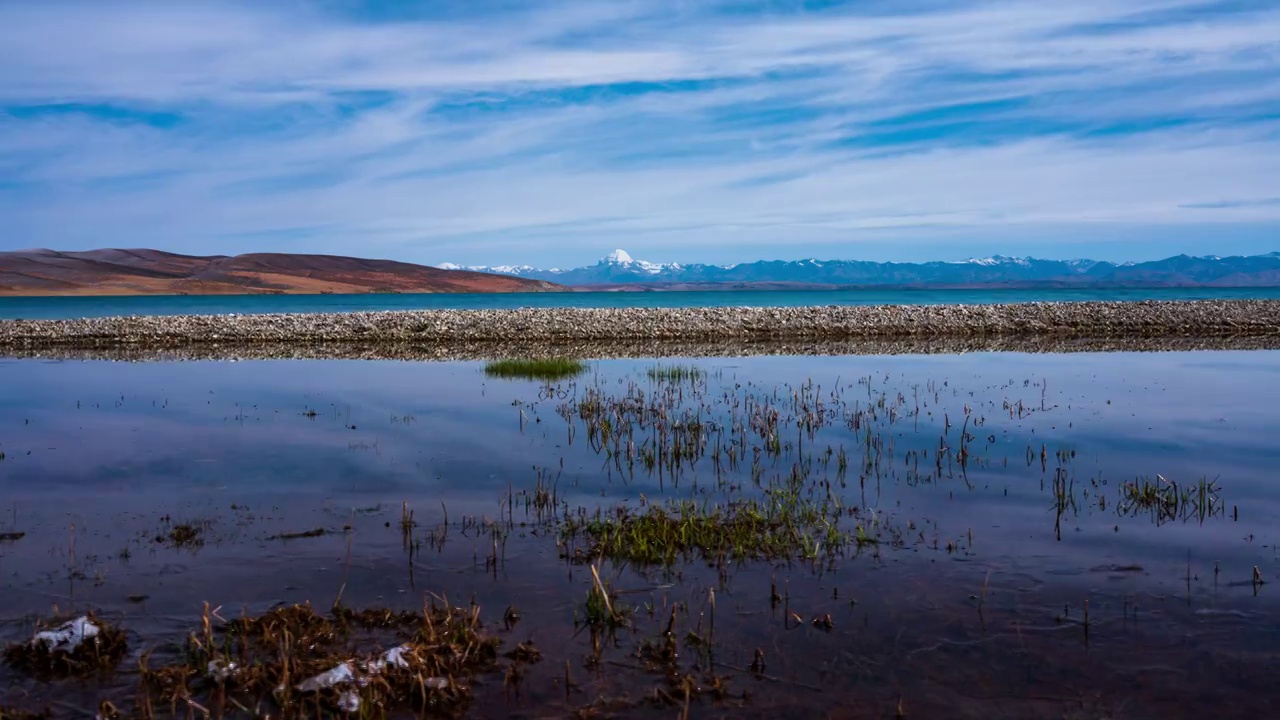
(152, 272)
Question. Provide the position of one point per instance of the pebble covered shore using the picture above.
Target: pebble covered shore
(418, 352)
(569, 328)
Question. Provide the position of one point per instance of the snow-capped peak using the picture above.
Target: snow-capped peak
(994, 260)
(622, 258)
(500, 269)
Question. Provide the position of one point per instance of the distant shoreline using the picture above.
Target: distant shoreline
(579, 331)
(667, 287)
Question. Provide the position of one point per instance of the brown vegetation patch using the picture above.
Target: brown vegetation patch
(68, 647)
(151, 272)
(295, 662)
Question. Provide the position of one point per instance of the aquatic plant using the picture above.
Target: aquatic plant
(600, 611)
(543, 369)
(782, 526)
(1168, 500)
(676, 373)
(185, 535)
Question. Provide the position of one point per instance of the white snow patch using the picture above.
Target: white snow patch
(393, 657)
(346, 673)
(220, 670)
(339, 675)
(992, 261)
(67, 637)
(349, 702)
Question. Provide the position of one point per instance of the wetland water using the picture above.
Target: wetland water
(948, 520)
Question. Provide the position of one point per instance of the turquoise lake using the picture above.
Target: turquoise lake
(39, 308)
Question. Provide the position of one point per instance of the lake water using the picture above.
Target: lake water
(996, 497)
(36, 308)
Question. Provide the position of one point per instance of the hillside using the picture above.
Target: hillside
(152, 272)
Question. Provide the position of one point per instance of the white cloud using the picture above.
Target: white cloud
(749, 128)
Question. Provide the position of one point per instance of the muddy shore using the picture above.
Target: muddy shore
(446, 334)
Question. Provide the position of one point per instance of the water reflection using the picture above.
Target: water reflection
(1020, 482)
(984, 442)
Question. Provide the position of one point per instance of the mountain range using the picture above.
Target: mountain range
(152, 272)
(619, 270)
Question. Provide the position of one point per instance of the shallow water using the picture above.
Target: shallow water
(971, 604)
(52, 308)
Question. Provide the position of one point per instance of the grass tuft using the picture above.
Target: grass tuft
(740, 530)
(543, 369)
(676, 373)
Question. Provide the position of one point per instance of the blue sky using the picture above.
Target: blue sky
(549, 133)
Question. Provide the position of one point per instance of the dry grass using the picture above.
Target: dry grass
(267, 664)
(92, 656)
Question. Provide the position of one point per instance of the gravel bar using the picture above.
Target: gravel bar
(417, 352)
(1252, 323)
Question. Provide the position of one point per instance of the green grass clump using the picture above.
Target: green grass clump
(1168, 500)
(749, 529)
(544, 369)
(676, 373)
(600, 610)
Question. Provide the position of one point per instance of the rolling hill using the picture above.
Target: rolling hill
(152, 272)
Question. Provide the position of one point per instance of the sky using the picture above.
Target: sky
(550, 133)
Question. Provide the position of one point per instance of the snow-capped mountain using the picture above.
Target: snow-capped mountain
(621, 259)
(620, 268)
(616, 266)
(994, 260)
(499, 269)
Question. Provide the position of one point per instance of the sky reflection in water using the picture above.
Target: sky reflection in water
(136, 434)
(98, 454)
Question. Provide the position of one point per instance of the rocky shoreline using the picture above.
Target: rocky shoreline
(417, 352)
(593, 331)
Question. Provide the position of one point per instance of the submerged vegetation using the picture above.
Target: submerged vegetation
(740, 530)
(1168, 500)
(676, 373)
(543, 369)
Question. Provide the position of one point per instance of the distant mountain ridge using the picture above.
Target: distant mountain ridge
(152, 272)
(620, 270)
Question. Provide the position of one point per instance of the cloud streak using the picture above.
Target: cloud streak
(695, 131)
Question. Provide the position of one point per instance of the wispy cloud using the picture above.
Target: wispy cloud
(551, 132)
(1228, 204)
